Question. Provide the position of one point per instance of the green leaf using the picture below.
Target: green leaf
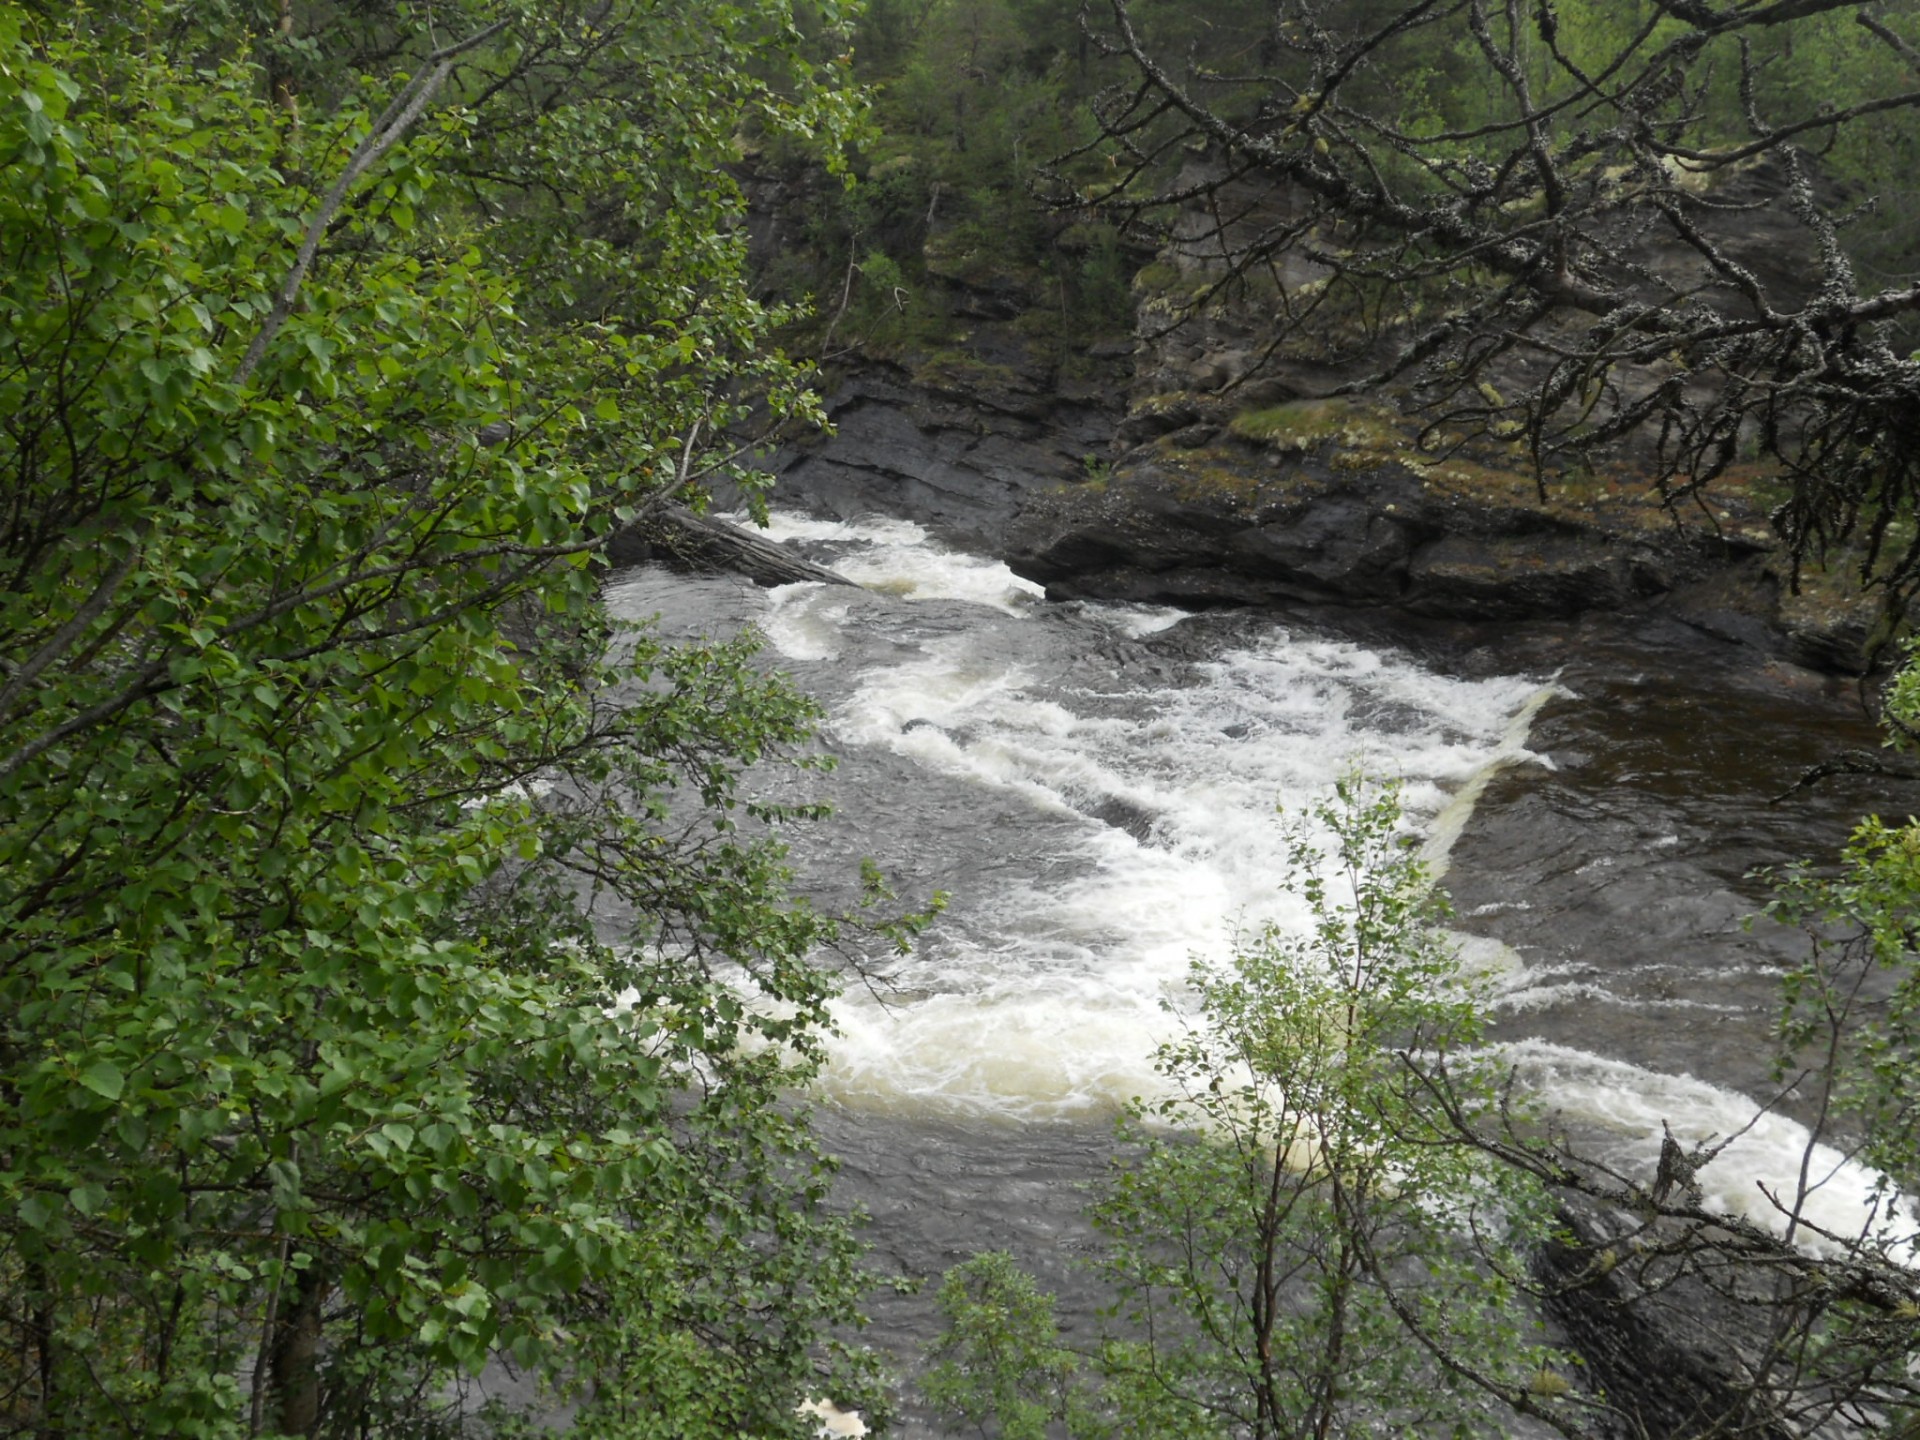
(36, 1212)
(104, 1078)
(269, 984)
(87, 1199)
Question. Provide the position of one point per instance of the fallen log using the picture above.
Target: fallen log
(676, 537)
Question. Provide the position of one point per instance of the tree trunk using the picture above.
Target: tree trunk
(293, 1361)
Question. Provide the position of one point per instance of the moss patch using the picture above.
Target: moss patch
(1214, 474)
(957, 370)
(1462, 478)
(1156, 278)
(1163, 403)
(1305, 424)
(971, 257)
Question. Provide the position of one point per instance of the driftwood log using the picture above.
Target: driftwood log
(675, 536)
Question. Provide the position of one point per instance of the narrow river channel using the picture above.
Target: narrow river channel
(1096, 789)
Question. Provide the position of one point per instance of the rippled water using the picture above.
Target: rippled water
(1095, 786)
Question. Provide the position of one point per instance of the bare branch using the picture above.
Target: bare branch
(1643, 284)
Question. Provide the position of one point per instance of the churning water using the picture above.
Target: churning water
(1129, 775)
(1096, 787)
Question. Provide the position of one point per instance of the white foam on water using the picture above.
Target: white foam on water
(898, 558)
(1543, 986)
(1050, 1001)
(1487, 960)
(833, 1423)
(1054, 999)
(1046, 1050)
(1538, 996)
(803, 620)
(514, 792)
(1843, 1198)
(1140, 621)
(1452, 820)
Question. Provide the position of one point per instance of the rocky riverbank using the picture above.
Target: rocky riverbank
(1297, 502)
(1192, 465)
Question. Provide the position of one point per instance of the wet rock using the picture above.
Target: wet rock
(1135, 820)
(1159, 416)
(958, 442)
(1194, 437)
(1332, 515)
(1831, 627)
(1188, 520)
(1542, 575)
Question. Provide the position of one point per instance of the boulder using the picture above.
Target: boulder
(1324, 522)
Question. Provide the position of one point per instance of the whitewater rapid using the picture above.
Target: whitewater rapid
(1112, 785)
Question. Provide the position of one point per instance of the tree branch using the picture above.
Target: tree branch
(398, 118)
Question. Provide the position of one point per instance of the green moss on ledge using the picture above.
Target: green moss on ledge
(1224, 476)
(957, 370)
(1304, 424)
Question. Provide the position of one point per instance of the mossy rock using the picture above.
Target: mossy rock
(1461, 477)
(1301, 425)
(1156, 279)
(965, 256)
(956, 370)
(1164, 402)
(1222, 475)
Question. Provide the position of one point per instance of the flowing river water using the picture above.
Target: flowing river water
(1095, 787)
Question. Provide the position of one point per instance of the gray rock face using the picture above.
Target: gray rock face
(963, 454)
(1238, 530)
(1017, 468)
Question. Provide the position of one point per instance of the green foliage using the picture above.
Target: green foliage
(1860, 987)
(972, 97)
(1325, 1234)
(336, 1059)
(1851, 1008)
(1000, 1365)
(1851, 1012)
(1304, 1242)
(984, 141)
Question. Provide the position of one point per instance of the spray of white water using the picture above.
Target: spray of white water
(895, 557)
(1052, 1001)
(1055, 999)
(1771, 1171)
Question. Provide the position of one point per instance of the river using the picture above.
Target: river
(1095, 787)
